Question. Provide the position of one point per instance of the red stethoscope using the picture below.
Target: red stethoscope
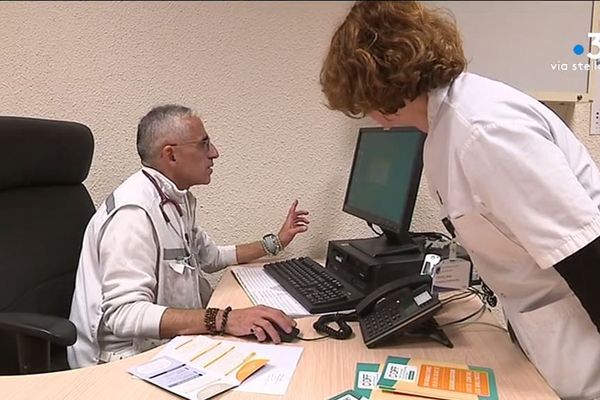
(164, 200)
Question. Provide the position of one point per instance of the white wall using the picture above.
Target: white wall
(251, 70)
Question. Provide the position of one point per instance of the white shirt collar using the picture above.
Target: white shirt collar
(435, 98)
(168, 187)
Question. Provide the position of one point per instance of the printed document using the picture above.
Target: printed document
(224, 364)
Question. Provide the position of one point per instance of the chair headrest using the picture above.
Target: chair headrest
(41, 152)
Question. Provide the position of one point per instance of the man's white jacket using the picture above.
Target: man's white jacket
(135, 264)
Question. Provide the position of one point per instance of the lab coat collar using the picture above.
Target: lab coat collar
(435, 98)
(167, 186)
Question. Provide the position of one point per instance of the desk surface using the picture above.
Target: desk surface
(326, 367)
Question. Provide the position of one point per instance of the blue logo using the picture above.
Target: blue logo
(578, 49)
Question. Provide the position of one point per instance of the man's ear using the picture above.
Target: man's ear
(168, 154)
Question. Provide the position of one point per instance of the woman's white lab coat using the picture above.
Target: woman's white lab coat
(523, 194)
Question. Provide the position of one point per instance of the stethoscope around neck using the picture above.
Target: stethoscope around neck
(164, 200)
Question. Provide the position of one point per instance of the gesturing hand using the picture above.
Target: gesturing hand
(295, 222)
(258, 320)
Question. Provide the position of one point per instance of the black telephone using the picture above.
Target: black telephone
(396, 307)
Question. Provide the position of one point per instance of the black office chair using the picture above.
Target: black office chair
(44, 210)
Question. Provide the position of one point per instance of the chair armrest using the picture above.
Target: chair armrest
(55, 330)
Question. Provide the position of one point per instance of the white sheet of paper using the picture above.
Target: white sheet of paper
(273, 378)
(262, 289)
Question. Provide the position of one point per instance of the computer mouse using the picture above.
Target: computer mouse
(287, 337)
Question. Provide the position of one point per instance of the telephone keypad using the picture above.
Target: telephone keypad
(395, 315)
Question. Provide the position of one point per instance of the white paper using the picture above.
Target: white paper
(261, 288)
(452, 274)
(273, 378)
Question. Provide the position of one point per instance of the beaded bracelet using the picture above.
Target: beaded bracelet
(210, 320)
(224, 320)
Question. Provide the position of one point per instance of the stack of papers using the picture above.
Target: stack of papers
(199, 367)
(410, 379)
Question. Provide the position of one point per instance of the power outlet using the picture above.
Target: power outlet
(595, 118)
(595, 112)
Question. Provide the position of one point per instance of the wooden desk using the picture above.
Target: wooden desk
(326, 367)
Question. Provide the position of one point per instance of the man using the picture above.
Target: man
(521, 191)
(141, 271)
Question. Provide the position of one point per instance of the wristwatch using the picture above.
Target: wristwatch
(271, 244)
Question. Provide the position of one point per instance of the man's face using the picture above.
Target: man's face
(194, 156)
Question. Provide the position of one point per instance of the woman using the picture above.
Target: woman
(521, 191)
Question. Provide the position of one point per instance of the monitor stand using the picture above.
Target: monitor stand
(385, 245)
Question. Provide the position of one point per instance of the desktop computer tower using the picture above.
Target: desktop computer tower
(368, 273)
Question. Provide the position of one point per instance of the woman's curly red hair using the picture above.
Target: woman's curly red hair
(387, 52)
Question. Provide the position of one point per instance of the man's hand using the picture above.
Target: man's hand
(259, 321)
(295, 222)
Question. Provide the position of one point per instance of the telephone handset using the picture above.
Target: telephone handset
(396, 306)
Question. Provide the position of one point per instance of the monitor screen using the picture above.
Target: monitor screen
(385, 177)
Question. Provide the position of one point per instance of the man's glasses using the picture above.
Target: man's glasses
(203, 144)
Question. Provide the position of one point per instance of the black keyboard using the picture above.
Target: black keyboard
(316, 288)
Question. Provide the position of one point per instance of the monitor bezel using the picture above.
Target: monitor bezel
(402, 227)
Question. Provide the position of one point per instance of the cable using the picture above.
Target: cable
(486, 295)
(479, 311)
(373, 229)
(489, 295)
(481, 323)
(312, 339)
(344, 332)
(458, 296)
(436, 235)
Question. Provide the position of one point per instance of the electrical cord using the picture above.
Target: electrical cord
(473, 314)
(343, 332)
(373, 229)
(312, 339)
(489, 295)
(481, 323)
(432, 235)
(486, 295)
(458, 296)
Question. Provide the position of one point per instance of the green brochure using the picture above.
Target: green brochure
(367, 376)
(348, 395)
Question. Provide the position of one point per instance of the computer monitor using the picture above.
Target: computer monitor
(383, 185)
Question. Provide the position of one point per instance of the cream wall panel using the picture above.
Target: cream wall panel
(250, 69)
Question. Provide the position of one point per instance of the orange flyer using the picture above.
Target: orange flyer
(437, 380)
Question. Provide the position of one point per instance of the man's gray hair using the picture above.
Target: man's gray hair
(161, 123)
